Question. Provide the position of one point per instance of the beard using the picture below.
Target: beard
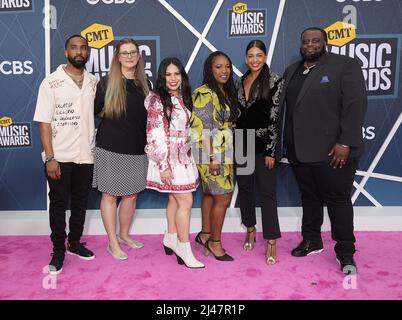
(313, 57)
(79, 64)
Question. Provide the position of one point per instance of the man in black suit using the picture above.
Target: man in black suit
(322, 112)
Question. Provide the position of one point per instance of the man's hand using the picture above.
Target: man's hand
(339, 155)
(53, 169)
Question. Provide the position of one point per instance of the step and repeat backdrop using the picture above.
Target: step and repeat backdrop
(368, 30)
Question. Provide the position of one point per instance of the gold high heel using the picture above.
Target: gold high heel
(250, 239)
(270, 255)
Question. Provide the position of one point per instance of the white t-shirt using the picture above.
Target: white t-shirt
(70, 111)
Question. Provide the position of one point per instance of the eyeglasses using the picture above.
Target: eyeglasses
(126, 54)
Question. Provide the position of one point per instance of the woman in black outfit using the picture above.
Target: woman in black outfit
(258, 94)
(120, 167)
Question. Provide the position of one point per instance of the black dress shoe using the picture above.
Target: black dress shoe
(307, 247)
(348, 264)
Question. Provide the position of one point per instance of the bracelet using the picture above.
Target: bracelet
(48, 159)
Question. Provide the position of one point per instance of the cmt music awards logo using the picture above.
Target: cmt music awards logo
(14, 135)
(378, 56)
(15, 5)
(103, 42)
(244, 22)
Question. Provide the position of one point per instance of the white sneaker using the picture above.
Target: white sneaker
(185, 255)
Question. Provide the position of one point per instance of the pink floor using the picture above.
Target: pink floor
(150, 274)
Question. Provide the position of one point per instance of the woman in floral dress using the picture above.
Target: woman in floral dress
(215, 109)
(172, 168)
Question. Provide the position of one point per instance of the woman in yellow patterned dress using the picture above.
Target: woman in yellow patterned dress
(215, 109)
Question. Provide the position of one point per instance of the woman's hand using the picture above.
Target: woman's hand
(167, 177)
(214, 168)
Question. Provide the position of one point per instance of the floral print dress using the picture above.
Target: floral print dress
(168, 146)
(210, 121)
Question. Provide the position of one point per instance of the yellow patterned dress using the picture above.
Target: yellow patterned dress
(210, 121)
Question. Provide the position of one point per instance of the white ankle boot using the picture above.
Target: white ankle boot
(170, 243)
(185, 255)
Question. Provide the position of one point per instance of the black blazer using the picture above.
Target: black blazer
(260, 115)
(330, 109)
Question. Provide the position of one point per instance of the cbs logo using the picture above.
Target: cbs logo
(93, 2)
(368, 133)
(16, 67)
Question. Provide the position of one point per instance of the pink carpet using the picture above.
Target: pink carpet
(150, 274)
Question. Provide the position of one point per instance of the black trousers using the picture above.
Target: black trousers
(322, 185)
(265, 179)
(74, 184)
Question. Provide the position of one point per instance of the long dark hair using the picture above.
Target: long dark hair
(163, 91)
(230, 96)
(261, 83)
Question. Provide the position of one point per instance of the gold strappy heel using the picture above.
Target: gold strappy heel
(250, 239)
(270, 255)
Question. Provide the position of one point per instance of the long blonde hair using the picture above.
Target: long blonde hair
(115, 98)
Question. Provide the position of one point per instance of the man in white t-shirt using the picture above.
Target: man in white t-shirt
(65, 111)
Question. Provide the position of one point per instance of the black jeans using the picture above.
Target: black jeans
(322, 185)
(74, 184)
(266, 184)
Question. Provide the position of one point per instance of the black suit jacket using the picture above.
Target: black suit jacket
(330, 109)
